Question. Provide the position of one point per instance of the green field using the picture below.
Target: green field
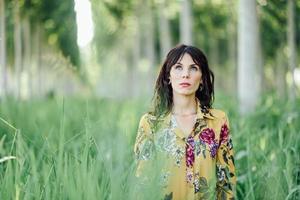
(83, 149)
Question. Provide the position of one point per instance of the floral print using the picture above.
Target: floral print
(220, 173)
(189, 176)
(224, 133)
(191, 158)
(145, 150)
(168, 196)
(225, 165)
(166, 142)
(208, 136)
(197, 183)
(213, 149)
(178, 155)
(164, 178)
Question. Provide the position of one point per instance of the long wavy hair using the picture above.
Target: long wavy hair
(162, 100)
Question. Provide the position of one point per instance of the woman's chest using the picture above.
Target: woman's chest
(201, 145)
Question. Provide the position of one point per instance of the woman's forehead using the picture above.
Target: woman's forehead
(186, 58)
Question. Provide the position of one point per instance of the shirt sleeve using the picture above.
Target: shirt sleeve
(225, 169)
(144, 145)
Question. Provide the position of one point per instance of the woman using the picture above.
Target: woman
(192, 138)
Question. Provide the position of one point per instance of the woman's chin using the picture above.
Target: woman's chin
(185, 93)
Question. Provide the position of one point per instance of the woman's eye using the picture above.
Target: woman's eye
(178, 67)
(194, 68)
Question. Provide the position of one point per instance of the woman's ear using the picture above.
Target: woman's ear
(201, 87)
(169, 81)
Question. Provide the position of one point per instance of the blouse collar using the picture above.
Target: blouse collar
(201, 114)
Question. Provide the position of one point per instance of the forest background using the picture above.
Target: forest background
(76, 76)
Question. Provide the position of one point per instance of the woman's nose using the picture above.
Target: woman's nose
(185, 73)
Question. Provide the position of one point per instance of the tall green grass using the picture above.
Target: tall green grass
(83, 149)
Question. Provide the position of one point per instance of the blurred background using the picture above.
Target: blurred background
(111, 48)
(76, 76)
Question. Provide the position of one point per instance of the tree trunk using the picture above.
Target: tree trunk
(291, 47)
(280, 74)
(17, 48)
(261, 78)
(164, 30)
(150, 44)
(248, 64)
(136, 53)
(232, 49)
(27, 56)
(213, 52)
(38, 50)
(186, 23)
(3, 82)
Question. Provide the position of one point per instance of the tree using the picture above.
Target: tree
(291, 47)
(3, 69)
(17, 47)
(248, 60)
(150, 41)
(164, 30)
(186, 22)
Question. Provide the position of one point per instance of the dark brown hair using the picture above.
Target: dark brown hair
(163, 93)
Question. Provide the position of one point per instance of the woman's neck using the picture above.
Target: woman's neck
(184, 105)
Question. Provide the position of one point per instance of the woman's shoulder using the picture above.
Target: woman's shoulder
(218, 113)
(148, 118)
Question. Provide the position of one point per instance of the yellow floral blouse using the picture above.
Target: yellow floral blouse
(200, 166)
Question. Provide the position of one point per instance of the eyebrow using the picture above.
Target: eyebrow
(190, 65)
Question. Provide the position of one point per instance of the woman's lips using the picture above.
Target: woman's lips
(184, 84)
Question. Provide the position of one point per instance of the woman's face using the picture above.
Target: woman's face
(185, 76)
